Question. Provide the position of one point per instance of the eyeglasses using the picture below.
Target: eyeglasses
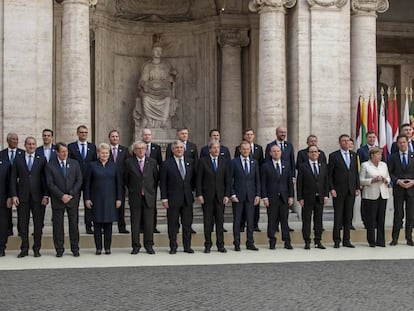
(83, 132)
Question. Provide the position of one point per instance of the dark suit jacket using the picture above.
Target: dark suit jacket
(257, 155)
(4, 154)
(210, 184)
(75, 153)
(303, 157)
(274, 185)
(341, 179)
(5, 169)
(24, 183)
(173, 188)
(397, 172)
(394, 146)
(59, 185)
(288, 155)
(246, 188)
(224, 151)
(123, 154)
(156, 154)
(190, 151)
(40, 151)
(308, 185)
(136, 181)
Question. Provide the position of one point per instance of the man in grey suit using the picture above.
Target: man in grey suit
(64, 180)
(141, 179)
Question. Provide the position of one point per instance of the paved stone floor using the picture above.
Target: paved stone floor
(322, 285)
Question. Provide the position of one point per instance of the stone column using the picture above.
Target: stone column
(271, 106)
(76, 86)
(363, 50)
(231, 42)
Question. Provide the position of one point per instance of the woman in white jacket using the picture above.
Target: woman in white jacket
(374, 178)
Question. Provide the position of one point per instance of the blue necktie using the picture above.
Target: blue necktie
(404, 161)
(215, 164)
(347, 160)
(30, 162)
(11, 157)
(83, 151)
(63, 166)
(315, 170)
(246, 167)
(278, 168)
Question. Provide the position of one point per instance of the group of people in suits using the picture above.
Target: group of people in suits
(104, 175)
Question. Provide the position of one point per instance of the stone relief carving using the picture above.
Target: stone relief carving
(233, 37)
(156, 103)
(328, 3)
(379, 6)
(272, 5)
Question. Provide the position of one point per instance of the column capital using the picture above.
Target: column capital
(91, 3)
(327, 3)
(233, 37)
(263, 6)
(370, 7)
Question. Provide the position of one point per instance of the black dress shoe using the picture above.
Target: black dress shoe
(59, 254)
(107, 252)
(371, 244)
(242, 229)
(89, 231)
(319, 245)
(336, 245)
(352, 227)
(272, 244)
(225, 230)
(257, 229)
(36, 253)
(156, 230)
(291, 230)
(135, 251)
(189, 250)
(222, 250)
(123, 231)
(410, 242)
(394, 242)
(288, 245)
(237, 248)
(207, 250)
(193, 231)
(98, 252)
(348, 244)
(76, 254)
(307, 245)
(252, 247)
(173, 251)
(23, 253)
(2, 253)
(150, 250)
(380, 244)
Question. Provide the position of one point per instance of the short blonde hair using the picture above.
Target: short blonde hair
(103, 146)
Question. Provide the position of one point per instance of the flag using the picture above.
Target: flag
(358, 124)
(375, 117)
(406, 114)
(364, 122)
(382, 130)
(395, 119)
(411, 108)
(370, 123)
(388, 126)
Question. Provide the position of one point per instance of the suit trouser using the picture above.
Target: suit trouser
(107, 232)
(186, 213)
(399, 216)
(316, 207)
(343, 210)
(9, 217)
(142, 214)
(256, 217)
(278, 211)
(23, 219)
(121, 215)
(375, 218)
(213, 213)
(58, 227)
(4, 226)
(238, 209)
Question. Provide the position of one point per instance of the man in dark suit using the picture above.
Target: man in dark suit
(9, 154)
(362, 152)
(177, 181)
(64, 181)
(141, 179)
(312, 191)
(154, 152)
(288, 154)
(302, 157)
(407, 130)
(245, 193)
(47, 150)
(344, 186)
(213, 191)
(214, 135)
(119, 154)
(277, 194)
(256, 152)
(84, 152)
(401, 169)
(5, 204)
(29, 192)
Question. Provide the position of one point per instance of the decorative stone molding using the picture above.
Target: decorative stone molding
(369, 6)
(91, 3)
(262, 6)
(233, 37)
(327, 3)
